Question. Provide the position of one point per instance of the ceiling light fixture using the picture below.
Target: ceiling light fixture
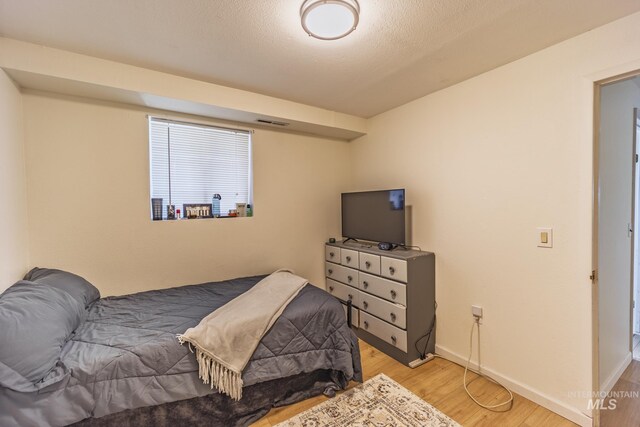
(329, 19)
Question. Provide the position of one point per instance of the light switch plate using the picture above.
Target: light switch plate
(545, 237)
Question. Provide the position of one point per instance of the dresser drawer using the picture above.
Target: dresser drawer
(383, 330)
(392, 268)
(349, 258)
(395, 314)
(370, 263)
(331, 253)
(342, 274)
(387, 289)
(343, 292)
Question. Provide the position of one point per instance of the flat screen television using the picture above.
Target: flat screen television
(374, 215)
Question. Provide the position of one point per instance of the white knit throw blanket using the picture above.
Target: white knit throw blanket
(225, 340)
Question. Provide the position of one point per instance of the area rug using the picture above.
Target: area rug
(379, 401)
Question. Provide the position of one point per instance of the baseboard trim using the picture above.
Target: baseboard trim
(523, 390)
(615, 375)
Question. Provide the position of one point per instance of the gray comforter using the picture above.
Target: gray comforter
(125, 355)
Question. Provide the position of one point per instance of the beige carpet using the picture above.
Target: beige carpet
(380, 401)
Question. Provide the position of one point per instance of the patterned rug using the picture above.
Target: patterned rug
(379, 401)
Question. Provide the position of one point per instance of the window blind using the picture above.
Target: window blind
(192, 162)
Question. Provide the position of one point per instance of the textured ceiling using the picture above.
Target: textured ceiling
(402, 49)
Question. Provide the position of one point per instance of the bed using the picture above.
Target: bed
(122, 364)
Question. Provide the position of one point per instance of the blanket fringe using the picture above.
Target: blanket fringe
(219, 376)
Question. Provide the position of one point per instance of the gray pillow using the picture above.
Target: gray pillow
(36, 320)
(71, 283)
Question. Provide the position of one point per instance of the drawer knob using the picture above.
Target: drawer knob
(331, 254)
(348, 258)
(330, 271)
(393, 317)
(393, 294)
(330, 288)
(365, 304)
(350, 297)
(367, 264)
(366, 324)
(349, 278)
(394, 339)
(392, 270)
(366, 284)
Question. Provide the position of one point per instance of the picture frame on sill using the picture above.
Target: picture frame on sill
(197, 210)
(171, 211)
(156, 208)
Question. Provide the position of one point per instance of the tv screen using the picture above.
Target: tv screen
(374, 215)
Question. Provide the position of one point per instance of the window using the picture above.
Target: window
(191, 163)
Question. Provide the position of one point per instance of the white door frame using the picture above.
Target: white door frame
(595, 318)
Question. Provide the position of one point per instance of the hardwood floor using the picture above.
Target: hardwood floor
(627, 404)
(439, 382)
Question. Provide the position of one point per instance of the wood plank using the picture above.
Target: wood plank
(520, 410)
(439, 382)
(263, 422)
(631, 374)
(544, 417)
(626, 393)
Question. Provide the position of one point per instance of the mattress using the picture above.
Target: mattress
(125, 355)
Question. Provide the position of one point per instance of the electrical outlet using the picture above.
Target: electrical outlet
(476, 310)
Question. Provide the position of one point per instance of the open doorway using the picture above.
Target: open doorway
(618, 250)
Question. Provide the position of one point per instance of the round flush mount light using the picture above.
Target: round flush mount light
(329, 19)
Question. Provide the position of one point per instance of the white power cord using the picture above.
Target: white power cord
(466, 368)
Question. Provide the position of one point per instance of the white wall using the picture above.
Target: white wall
(617, 124)
(88, 184)
(484, 163)
(13, 192)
